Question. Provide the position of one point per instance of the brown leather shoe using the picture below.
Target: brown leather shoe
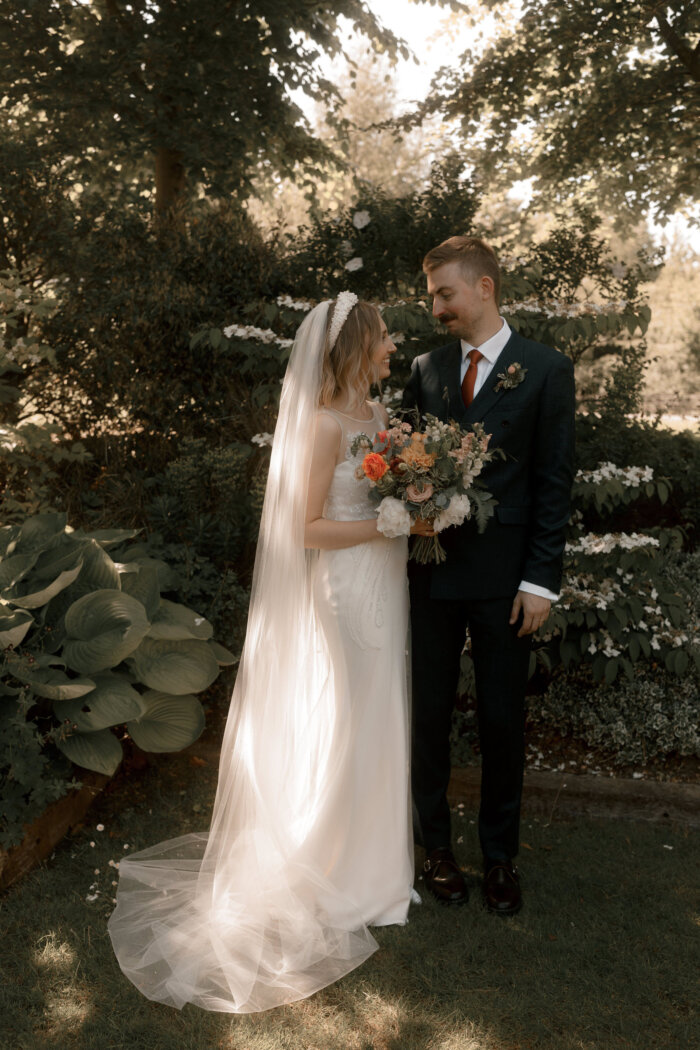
(443, 877)
(502, 888)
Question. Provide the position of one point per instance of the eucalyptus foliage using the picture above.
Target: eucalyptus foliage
(89, 644)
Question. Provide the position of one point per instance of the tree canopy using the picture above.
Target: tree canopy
(197, 92)
(597, 100)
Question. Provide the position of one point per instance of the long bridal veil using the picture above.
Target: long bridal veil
(244, 917)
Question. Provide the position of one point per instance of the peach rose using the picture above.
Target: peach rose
(374, 466)
(415, 454)
(419, 495)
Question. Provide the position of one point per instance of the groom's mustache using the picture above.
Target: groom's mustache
(443, 318)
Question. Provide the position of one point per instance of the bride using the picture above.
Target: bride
(310, 840)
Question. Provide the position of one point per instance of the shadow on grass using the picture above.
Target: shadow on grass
(603, 955)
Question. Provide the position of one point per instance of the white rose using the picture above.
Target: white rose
(454, 513)
(354, 264)
(360, 219)
(393, 519)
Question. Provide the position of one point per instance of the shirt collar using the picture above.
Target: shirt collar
(493, 346)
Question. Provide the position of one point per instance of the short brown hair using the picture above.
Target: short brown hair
(475, 256)
(348, 365)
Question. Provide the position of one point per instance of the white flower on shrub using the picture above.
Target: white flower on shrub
(393, 518)
(262, 439)
(398, 338)
(261, 335)
(361, 219)
(456, 511)
(292, 304)
(557, 308)
(629, 476)
(354, 264)
(604, 544)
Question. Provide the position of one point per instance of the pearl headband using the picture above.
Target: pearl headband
(343, 305)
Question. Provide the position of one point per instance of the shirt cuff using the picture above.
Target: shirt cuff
(541, 592)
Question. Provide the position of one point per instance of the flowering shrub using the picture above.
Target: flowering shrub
(648, 715)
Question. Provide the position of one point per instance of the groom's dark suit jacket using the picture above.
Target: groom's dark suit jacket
(533, 424)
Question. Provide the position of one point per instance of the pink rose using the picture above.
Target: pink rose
(416, 495)
(511, 370)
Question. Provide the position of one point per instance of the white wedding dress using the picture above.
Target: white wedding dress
(311, 838)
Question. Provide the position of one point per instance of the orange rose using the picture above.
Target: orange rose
(374, 466)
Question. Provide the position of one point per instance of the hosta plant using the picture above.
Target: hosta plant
(89, 643)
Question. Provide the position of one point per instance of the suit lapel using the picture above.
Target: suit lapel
(487, 397)
(450, 389)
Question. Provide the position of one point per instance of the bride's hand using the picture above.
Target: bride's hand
(422, 528)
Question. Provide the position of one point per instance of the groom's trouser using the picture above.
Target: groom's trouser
(501, 661)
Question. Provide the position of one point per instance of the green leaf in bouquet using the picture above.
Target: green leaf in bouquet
(177, 667)
(100, 751)
(14, 625)
(111, 702)
(178, 622)
(103, 628)
(167, 722)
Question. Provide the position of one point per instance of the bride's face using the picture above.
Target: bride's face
(380, 355)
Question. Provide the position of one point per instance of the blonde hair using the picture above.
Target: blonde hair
(476, 258)
(348, 366)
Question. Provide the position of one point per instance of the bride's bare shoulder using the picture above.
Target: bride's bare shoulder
(328, 427)
(381, 412)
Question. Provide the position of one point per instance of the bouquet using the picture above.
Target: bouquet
(429, 475)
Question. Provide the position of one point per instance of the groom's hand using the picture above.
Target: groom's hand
(534, 609)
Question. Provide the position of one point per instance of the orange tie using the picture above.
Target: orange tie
(470, 377)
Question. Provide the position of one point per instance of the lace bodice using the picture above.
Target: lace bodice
(348, 498)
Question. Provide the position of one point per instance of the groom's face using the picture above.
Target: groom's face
(458, 301)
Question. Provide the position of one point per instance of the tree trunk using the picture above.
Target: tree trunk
(170, 179)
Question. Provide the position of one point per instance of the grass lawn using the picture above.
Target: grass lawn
(605, 953)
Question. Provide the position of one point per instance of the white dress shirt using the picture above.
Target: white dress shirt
(491, 350)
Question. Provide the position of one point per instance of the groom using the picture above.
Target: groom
(499, 583)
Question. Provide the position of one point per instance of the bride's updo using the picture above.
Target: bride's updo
(347, 365)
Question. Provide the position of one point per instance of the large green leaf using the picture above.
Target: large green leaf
(178, 622)
(224, 657)
(168, 579)
(99, 571)
(99, 751)
(52, 684)
(103, 628)
(167, 723)
(9, 537)
(64, 555)
(176, 667)
(14, 624)
(110, 703)
(33, 598)
(141, 582)
(40, 532)
(112, 537)
(13, 569)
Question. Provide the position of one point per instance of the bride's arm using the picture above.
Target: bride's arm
(321, 532)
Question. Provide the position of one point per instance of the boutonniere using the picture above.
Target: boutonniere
(512, 377)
